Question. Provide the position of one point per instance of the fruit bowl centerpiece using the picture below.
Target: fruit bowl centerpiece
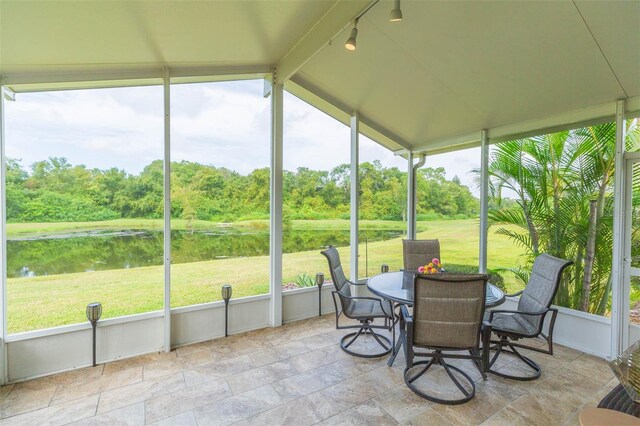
(434, 267)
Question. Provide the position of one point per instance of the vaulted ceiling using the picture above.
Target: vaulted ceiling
(430, 82)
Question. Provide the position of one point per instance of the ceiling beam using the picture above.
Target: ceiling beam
(339, 17)
(325, 102)
(588, 116)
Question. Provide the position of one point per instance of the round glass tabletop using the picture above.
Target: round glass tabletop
(398, 287)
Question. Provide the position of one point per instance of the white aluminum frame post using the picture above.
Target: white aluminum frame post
(275, 204)
(355, 197)
(411, 199)
(484, 200)
(619, 299)
(3, 247)
(167, 209)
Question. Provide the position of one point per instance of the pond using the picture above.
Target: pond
(103, 250)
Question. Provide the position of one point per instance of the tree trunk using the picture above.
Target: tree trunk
(590, 254)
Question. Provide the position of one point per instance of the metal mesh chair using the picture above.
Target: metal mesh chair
(528, 319)
(447, 316)
(417, 253)
(362, 309)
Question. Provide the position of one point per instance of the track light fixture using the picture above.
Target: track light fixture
(351, 43)
(394, 16)
(396, 13)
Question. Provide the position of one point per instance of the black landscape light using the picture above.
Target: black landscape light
(319, 282)
(226, 296)
(384, 268)
(94, 312)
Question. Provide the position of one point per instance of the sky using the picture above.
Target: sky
(225, 124)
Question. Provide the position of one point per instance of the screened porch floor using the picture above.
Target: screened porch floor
(296, 374)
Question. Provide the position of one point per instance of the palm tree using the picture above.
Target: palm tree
(563, 186)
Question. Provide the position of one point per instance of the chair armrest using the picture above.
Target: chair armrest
(505, 311)
(517, 293)
(357, 283)
(373, 299)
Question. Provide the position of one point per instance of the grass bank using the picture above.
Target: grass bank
(61, 299)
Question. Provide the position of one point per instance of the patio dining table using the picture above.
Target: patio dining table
(397, 287)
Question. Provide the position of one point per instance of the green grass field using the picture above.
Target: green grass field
(54, 300)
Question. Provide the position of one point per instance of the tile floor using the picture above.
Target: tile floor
(297, 375)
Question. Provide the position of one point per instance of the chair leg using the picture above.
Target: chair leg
(437, 358)
(366, 329)
(500, 347)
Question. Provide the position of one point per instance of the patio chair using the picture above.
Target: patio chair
(528, 319)
(360, 308)
(447, 316)
(418, 253)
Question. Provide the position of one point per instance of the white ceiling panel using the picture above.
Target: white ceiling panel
(44, 33)
(451, 68)
(617, 30)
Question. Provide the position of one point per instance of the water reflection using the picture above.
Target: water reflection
(96, 250)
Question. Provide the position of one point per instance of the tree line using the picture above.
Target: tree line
(55, 190)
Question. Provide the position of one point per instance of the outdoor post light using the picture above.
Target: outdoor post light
(94, 312)
(384, 268)
(319, 282)
(226, 295)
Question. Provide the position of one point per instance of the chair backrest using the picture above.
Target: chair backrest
(340, 281)
(448, 310)
(542, 287)
(418, 253)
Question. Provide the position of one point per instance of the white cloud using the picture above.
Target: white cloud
(224, 124)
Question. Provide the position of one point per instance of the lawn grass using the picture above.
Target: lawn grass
(61, 299)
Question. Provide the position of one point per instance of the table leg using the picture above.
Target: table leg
(399, 344)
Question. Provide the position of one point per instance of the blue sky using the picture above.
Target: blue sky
(224, 124)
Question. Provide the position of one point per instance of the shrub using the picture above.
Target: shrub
(495, 277)
(304, 280)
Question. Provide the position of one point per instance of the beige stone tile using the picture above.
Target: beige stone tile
(349, 393)
(57, 414)
(316, 358)
(182, 351)
(402, 403)
(138, 361)
(322, 340)
(278, 353)
(566, 353)
(212, 371)
(367, 413)
(291, 334)
(310, 381)
(183, 419)
(4, 391)
(162, 368)
(484, 404)
(205, 356)
(592, 367)
(26, 396)
(260, 376)
(73, 376)
(131, 415)
(242, 347)
(299, 412)
(239, 407)
(96, 385)
(147, 389)
(428, 418)
(508, 416)
(187, 399)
